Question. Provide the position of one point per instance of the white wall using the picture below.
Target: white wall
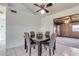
(2, 22)
(47, 22)
(18, 23)
(2, 30)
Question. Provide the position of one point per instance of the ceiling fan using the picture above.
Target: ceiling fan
(43, 7)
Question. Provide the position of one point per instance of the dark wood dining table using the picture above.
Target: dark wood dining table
(39, 42)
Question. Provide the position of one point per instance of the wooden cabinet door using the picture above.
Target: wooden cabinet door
(64, 30)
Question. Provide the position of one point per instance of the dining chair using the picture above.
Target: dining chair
(29, 45)
(52, 44)
(47, 37)
(25, 41)
(32, 35)
(47, 34)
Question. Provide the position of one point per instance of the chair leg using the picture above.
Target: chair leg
(53, 52)
(49, 52)
(26, 49)
(54, 48)
(45, 48)
(33, 47)
(55, 45)
(30, 51)
(25, 45)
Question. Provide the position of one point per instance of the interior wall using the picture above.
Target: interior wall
(2, 22)
(47, 24)
(2, 30)
(18, 23)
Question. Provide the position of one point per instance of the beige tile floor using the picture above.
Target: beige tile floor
(61, 50)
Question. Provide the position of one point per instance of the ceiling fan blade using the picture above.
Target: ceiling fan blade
(37, 5)
(46, 10)
(14, 11)
(49, 4)
(38, 10)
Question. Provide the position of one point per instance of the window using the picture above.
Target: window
(75, 28)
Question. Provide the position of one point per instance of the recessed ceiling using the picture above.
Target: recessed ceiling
(57, 7)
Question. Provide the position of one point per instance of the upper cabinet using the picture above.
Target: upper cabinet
(62, 20)
(58, 21)
(67, 19)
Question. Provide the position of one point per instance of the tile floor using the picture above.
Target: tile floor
(61, 50)
(71, 42)
(65, 47)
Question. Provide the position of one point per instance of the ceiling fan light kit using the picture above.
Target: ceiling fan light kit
(42, 11)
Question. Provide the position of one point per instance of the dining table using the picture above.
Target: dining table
(39, 42)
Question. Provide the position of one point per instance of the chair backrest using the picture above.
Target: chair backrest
(47, 34)
(39, 35)
(52, 40)
(26, 36)
(32, 34)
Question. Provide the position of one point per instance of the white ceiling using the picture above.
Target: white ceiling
(57, 7)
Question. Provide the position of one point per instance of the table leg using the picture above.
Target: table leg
(39, 49)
